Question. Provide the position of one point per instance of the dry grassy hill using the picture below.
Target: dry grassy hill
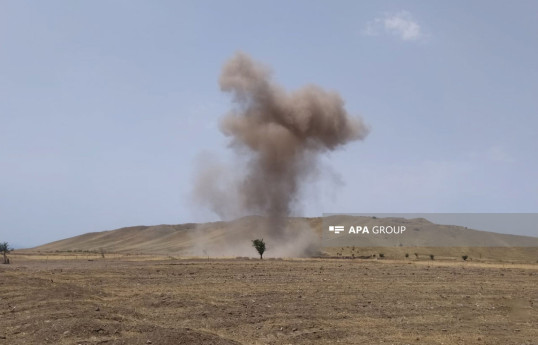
(303, 239)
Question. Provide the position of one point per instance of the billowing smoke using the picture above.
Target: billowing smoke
(280, 135)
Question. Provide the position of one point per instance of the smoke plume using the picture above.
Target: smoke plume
(280, 135)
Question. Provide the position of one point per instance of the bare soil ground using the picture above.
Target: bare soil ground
(312, 301)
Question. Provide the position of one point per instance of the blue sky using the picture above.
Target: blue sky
(105, 106)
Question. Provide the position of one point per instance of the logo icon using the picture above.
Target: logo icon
(336, 229)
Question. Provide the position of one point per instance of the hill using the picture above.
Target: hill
(303, 237)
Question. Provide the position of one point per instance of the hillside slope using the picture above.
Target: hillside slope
(303, 239)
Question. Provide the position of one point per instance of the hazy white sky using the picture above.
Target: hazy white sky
(106, 105)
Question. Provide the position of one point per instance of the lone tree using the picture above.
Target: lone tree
(260, 246)
(4, 249)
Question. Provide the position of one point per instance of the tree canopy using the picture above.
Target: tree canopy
(259, 244)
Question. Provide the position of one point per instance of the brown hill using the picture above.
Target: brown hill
(304, 237)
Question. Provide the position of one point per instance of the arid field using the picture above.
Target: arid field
(88, 299)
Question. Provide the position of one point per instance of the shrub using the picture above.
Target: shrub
(259, 244)
(5, 249)
(464, 257)
(432, 256)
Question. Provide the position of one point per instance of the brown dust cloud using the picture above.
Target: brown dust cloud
(277, 138)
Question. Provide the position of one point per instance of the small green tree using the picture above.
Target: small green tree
(260, 246)
(464, 257)
(5, 249)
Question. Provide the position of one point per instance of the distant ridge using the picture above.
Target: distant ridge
(224, 238)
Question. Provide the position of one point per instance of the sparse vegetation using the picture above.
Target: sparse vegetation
(416, 255)
(465, 257)
(432, 256)
(381, 255)
(406, 255)
(5, 250)
(259, 244)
